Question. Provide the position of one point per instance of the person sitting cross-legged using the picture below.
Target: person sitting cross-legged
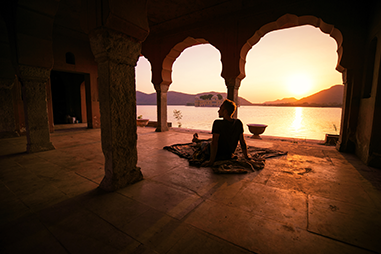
(226, 134)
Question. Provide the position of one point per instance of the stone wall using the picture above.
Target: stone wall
(368, 136)
(78, 44)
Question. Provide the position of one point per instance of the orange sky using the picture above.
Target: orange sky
(294, 62)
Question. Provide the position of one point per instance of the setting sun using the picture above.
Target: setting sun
(299, 84)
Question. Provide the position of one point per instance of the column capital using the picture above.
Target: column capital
(33, 73)
(6, 83)
(233, 82)
(161, 88)
(107, 44)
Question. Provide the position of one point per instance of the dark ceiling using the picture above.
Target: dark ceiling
(167, 14)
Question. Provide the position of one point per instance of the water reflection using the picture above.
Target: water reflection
(298, 117)
(296, 122)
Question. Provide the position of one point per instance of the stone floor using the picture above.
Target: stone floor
(314, 200)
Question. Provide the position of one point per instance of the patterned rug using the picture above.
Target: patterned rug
(194, 153)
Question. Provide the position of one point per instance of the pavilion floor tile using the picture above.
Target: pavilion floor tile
(173, 201)
(64, 139)
(348, 223)
(351, 193)
(28, 235)
(197, 241)
(82, 151)
(158, 162)
(286, 206)
(11, 206)
(225, 190)
(61, 158)
(73, 184)
(46, 170)
(314, 200)
(25, 159)
(90, 170)
(43, 197)
(264, 175)
(114, 207)
(261, 235)
(162, 139)
(156, 230)
(189, 178)
(33, 191)
(374, 195)
(82, 231)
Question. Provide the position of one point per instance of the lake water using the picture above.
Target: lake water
(295, 122)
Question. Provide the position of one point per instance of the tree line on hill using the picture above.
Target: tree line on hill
(209, 96)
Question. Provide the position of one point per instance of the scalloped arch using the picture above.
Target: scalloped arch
(166, 72)
(286, 21)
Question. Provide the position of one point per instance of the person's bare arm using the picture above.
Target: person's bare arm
(213, 150)
(242, 142)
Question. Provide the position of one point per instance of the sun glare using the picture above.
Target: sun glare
(299, 84)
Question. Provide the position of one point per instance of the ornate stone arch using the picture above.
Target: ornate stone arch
(166, 71)
(286, 21)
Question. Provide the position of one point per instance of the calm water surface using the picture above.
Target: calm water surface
(295, 122)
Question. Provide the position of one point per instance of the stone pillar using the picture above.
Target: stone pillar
(116, 55)
(7, 112)
(161, 94)
(350, 109)
(50, 105)
(34, 80)
(233, 85)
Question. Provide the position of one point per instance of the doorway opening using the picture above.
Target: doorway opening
(68, 98)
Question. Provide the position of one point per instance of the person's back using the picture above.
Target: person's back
(226, 134)
(229, 134)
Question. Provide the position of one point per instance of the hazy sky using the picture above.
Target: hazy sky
(294, 62)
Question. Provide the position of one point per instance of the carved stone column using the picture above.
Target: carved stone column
(233, 85)
(350, 109)
(161, 94)
(34, 81)
(116, 55)
(7, 112)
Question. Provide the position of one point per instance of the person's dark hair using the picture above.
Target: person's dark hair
(229, 106)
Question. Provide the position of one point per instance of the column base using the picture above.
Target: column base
(35, 148)
(112, 183)
(158, 129)
(9, 134)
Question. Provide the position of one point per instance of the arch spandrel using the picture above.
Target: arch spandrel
(287, 21)
(174, 53)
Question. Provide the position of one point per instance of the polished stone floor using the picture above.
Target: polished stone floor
(314, 200)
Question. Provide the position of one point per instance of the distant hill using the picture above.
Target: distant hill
(331, 97)
(177, 98)
(282, 101)
(145, 99)
(173, 98)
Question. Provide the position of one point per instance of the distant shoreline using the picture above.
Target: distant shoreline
(265, 105)
(331, 97)
(300, 105)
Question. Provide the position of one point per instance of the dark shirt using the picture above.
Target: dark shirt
(229, 136)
